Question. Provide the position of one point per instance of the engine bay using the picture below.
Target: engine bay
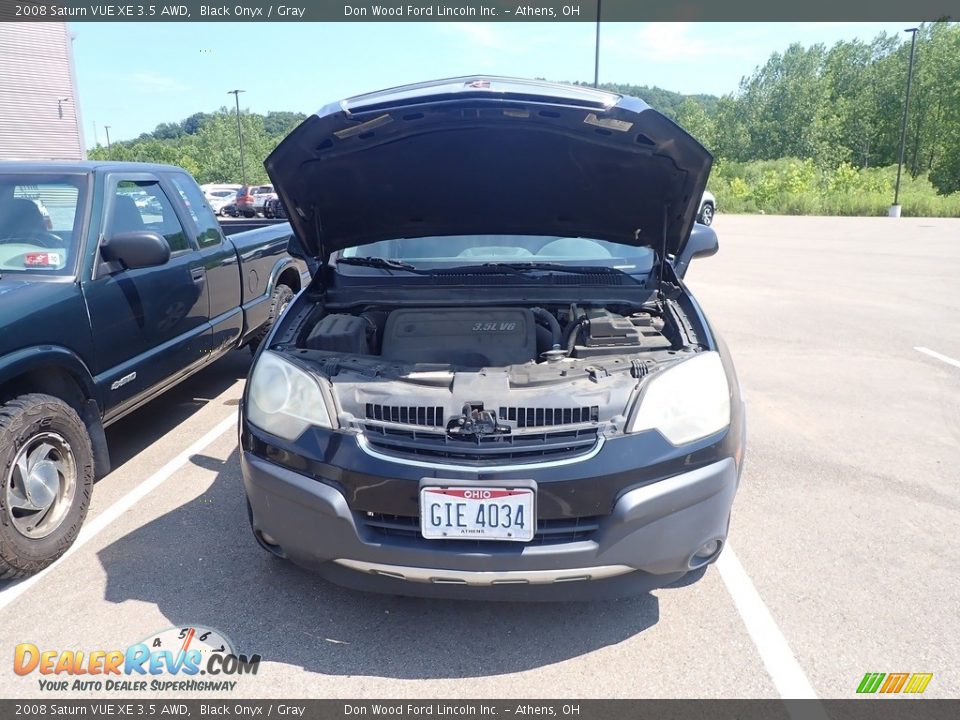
(484, 337)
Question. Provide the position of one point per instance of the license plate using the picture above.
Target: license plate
(460, 513)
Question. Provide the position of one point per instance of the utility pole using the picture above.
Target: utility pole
(109, 153)
(243, 168)
(895, 210)
(596, 51)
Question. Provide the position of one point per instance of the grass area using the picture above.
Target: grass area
(799, 187)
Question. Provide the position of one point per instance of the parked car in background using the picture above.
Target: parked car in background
(708, 208)
(250, 199)
(219, 199)
(480, 395)
(133, 288)
(209, 188)
(146, 202)
(260, 200)
(273, 208)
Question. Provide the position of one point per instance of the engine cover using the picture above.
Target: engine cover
(470, 337)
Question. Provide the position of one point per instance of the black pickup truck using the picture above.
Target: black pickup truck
(116, 283)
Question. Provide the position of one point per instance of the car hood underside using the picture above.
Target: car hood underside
(489, 156)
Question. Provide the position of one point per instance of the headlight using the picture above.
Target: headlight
(283, 399)
(686, 402)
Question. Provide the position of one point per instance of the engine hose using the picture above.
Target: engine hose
(550, 320)
(573, 330)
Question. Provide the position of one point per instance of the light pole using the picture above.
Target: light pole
(596, 50)
(243, 169)
(895, 210)
(109, 153)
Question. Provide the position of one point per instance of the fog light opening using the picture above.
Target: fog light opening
(268, 543)
(706, 553)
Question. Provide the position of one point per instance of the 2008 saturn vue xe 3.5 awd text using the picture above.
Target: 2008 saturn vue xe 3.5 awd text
(497, 384)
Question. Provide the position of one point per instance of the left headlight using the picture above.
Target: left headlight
(283, 399)
(686, 402)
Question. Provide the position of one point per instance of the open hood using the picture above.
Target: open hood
(479, 155)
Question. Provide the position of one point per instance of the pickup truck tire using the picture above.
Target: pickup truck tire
(47, 471)
(706, 214)
(282, 295)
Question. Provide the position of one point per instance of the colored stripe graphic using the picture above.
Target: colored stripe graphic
(918, 682)
(894, 682)
(870, 682)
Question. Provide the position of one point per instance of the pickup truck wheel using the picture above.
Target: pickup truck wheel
(706, 214)
(282, 295)
(46, 466)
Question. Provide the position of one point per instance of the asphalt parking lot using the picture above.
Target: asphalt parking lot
(845, 556)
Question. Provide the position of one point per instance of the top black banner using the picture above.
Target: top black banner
(477, 11)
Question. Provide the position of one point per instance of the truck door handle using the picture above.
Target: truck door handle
(198, 274)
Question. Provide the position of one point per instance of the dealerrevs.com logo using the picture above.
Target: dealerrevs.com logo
(180, 659)
(894, 683)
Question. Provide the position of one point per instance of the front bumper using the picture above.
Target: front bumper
(649, 540)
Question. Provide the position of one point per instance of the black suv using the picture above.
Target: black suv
(273, 208)
(497, 384)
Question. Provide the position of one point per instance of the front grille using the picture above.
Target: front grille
(428, 416)
(548, 417)
(438, 446)
(549, 532)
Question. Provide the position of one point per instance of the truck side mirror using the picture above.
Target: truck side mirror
(136, 249)
(295, 249)
(703, 242)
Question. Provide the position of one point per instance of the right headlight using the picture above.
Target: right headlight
(686, 402)
(283, 399)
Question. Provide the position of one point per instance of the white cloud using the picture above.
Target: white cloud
(480, 34)
(672, 42)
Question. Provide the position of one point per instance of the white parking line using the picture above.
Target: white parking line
(938, 356)
(782, 666)
(108, 516)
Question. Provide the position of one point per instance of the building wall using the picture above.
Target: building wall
(36, 70)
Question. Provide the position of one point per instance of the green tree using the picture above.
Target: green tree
(693, 118)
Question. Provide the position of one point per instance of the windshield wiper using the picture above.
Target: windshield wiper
(524, 268)
(381, 263)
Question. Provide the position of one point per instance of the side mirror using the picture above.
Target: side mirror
(295, 249)
(136, 249)
(703, 242)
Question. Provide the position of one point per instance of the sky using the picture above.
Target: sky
(133, 76)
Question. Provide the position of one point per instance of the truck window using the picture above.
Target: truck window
(142, 205)
(208, 229)
(40, 220)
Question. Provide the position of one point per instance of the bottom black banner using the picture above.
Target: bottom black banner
(859, 709)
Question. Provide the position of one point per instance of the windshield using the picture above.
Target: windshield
(459, 250)
(40, 220)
